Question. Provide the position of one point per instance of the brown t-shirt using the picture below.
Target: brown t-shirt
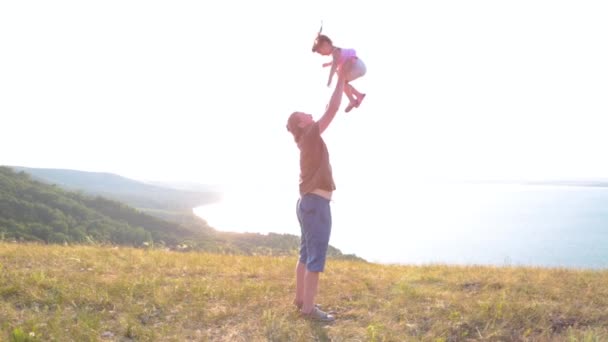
(315, 170)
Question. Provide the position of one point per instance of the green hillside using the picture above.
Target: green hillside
(34, 211)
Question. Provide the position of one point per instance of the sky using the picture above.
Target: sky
(201, 90)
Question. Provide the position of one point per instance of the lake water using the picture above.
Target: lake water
(556, 226)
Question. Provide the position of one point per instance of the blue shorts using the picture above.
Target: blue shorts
(314, 216)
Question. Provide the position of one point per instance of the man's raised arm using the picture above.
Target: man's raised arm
(334, 102)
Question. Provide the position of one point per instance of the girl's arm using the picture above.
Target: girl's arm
(334, 65)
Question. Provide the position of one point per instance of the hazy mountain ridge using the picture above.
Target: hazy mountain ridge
(138, 194)
(187, 186)
(600, 182)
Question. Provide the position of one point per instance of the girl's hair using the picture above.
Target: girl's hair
(293, 126)
(321, 38)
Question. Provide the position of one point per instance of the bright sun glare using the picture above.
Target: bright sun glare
(198, 91)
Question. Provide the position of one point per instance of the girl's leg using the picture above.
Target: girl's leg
(360, 97)
(349, 93)
(357, 70)
(348, 90)
(355, 92)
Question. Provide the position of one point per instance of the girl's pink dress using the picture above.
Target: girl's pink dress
(358, 68)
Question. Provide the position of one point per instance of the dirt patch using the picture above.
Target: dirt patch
(471, 286)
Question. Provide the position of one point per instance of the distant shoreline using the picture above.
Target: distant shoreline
(572, 183)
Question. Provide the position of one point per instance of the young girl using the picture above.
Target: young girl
(356, 68)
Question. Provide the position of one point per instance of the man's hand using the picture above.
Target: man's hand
(328, 64)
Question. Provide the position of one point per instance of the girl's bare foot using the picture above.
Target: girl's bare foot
(359, 100)
(350, 107)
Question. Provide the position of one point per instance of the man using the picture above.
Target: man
(313, 210)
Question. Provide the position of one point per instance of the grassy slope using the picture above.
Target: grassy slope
(83, 293)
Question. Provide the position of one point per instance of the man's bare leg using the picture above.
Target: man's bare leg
(300, 272)
(311, 283)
